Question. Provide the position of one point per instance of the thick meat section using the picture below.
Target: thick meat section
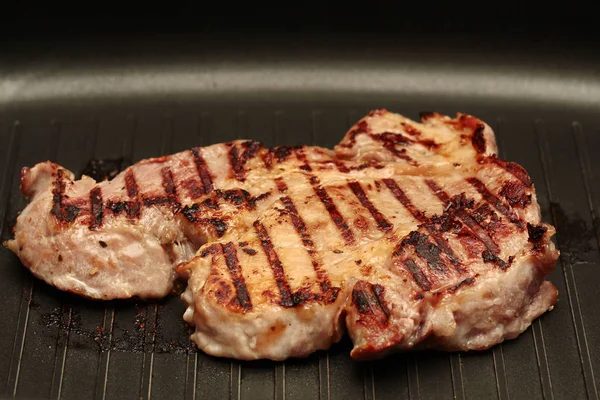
(401, 261)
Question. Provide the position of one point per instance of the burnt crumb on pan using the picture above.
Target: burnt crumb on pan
(103, 243)
(60, 258)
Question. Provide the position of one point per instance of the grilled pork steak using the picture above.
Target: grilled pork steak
(407, 235)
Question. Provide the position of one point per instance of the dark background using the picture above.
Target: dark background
(566, 20)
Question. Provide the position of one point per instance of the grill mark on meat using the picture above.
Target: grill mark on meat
(299, 151)
(360, 128)
(154, 201)
(132, 208)
(329, 293)
(514, 169)
(333, 211)
(480, 232)
(267, 158)
(414, 132)
(281, 185)
(279, 274)
(516, 194)
(96, 208)
(170, 189)
(496, 202)
(341, 167)
(425, 250)
(218, 225)
(361, 195)
(238, 161)
(194, 188)
(389, 141)
(404, 200)
(241, 198)
(419, 216)
(368, 300)
(490, 257)
(464, 282)
(418, 276)
(210, 250)
(62, 211)
(235, 271)
(302, 231)
(131, 184)
(411, 130)
(236, 165)
(477, 140)
(281, 153)
(203, 171)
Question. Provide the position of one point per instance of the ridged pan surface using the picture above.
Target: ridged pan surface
(61, 346)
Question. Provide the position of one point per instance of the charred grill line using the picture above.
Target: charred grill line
(218, 225)
(514, 169)
(63, 212)
(341, 167)
(360, 128)
(496, 202)
(419, 216)
(369, 301)
(360, 194)
(131, 184)
(488, 256)
(425, 250)
(404, 200)
(333, 211)
(276, 266)
(378, 291)
(477, 140)
(417, 274)
(302, 230)
(390, 146)
(390, 139)
(170, 189)
(281, 185)
(238, 161)
(299, 151)
(203, 171)
(132, 208)
(235, 271)
(480, 233)
(96, 208)
(464, 282)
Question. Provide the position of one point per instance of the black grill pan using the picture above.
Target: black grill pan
(72, 103)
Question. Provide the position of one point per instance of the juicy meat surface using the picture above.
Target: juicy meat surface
(407, 235)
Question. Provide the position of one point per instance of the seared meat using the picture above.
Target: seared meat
(409, 235)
